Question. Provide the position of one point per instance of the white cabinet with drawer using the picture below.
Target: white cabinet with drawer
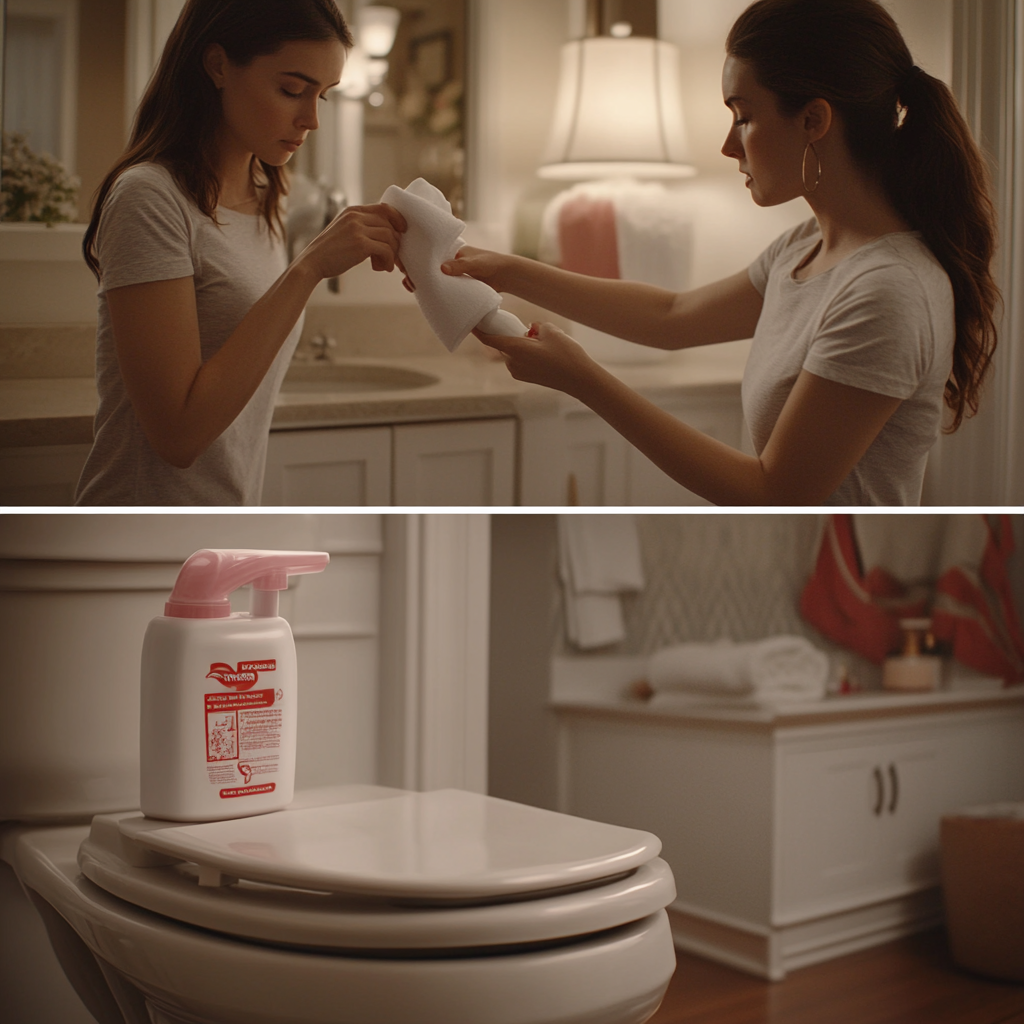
(350, 466)
(795, 836)
(859, 822)
(576, 458)
(41, 475)
(464, 462)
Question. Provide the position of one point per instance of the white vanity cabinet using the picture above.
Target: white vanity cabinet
(795, 836)
(349, 466)
(576, 458)
(464, 462)
(41, 475)
(858, 818)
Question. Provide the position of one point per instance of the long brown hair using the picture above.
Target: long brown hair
(180, 111)
(905, 128)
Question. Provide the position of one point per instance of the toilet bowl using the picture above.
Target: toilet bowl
(356, 905)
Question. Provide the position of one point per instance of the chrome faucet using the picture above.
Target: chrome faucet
(321, 344)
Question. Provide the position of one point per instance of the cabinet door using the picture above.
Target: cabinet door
(596, 457)
(342, 466)
(830, 803)
(718, 416)
(859, 820)
(912, 777)
(43, 475)
(470, 462)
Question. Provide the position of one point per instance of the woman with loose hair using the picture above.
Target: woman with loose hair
(199, 312)
(866, 320)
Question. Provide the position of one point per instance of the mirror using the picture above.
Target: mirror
(74, 71)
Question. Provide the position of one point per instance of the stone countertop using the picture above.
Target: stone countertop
(696, 710)
(60, 410)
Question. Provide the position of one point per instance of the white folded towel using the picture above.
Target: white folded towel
(654, 234)
(778, 668)
(453, 306)
(599, 559)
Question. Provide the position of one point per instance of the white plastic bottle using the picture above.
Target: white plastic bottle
(219, 693)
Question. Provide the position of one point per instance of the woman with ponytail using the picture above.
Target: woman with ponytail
(872, 322)
(199, 312)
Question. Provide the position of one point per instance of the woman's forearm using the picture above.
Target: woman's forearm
(225, 382)
(215, 392)
(628, 309)
(184, 404)
(724, 310)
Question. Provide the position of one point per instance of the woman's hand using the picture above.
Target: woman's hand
(356, 233)
(546, 356)
(481, 264)
(490, 267)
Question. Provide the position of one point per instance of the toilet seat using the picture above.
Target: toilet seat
(376, 870)
(194, 975)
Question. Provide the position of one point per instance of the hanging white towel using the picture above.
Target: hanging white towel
(778, 668)
(453, 306)
(599, 560)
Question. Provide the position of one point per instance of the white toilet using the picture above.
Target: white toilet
(358, 904)
(361, 905)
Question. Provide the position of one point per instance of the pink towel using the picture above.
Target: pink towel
(587, 237)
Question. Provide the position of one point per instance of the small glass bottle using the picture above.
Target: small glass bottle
(912, 670)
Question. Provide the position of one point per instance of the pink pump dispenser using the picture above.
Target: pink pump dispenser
(219, 690)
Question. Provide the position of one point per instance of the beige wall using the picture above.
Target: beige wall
(101, 128)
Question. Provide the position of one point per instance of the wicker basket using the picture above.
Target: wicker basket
(983, 883)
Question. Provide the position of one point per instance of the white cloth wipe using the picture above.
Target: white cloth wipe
(453, 306)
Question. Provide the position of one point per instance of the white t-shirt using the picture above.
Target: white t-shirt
(881, 320)
(150, 231)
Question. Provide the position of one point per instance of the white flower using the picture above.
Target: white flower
(444, 120)
(35, 187)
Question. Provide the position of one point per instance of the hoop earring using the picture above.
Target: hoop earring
(803, 168)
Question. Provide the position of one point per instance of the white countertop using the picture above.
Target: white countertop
(699, 709)
(60, 410)
(600, 685)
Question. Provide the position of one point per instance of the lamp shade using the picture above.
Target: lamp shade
(618, 112)
(376, 27)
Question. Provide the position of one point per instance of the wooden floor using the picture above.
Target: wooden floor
(912, 981)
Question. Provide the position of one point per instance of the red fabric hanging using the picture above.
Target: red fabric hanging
(974, 609)
(970, 602)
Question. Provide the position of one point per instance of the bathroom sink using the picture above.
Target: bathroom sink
(348, 378)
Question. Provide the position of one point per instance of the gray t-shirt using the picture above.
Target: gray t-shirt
(150, 231)
(881, 320)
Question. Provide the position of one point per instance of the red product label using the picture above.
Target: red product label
(243, 740)
(266, 787)
(242, 678)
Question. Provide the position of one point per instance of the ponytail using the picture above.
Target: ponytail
(937, 180)
(904, 127)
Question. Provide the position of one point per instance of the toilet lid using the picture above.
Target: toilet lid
(386, 870)
(442, 846)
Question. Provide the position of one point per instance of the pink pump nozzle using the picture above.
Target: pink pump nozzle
(208, 577)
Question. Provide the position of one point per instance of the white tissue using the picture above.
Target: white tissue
(453, 306)
(502, 322)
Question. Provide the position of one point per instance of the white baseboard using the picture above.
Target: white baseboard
(771, 952)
